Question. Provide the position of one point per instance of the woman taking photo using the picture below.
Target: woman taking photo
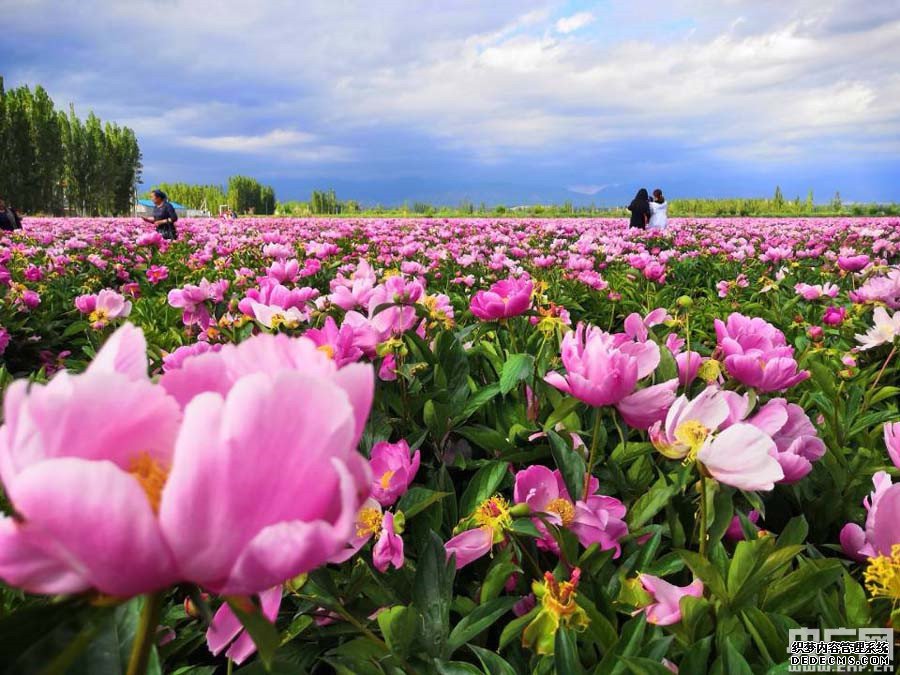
(640, 209)
(164, 216)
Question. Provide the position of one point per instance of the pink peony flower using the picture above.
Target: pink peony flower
(885, 329)
(742, 456)
(83, 460)
(852, 263)
(392, 470)
(371, 522)
(338, 343)
(388, 550)
(665, 609)
(735, 532)
(757, 354)
(157, 273)
(225, 629)
(505, 299)
(597, 520)
(891, 441)
(601, 369)
(470, 545)
(834, 316)
(272, 487)
(859, 543)
(689, 423)
(796, 440)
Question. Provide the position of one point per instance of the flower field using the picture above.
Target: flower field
(445, 446)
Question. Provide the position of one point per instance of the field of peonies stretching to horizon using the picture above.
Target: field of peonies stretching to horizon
(493, 446)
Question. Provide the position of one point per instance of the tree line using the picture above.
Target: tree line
(242, 195)
(53, 162)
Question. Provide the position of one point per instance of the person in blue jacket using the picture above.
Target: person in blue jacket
(164, 215)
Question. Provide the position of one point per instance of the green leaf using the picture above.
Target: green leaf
(667, 368)
(565, 652)
(696, 658)
(707, 573)
(734, 663)
(566, 407)
(492, 662)
(482, 618)
(485, 437)
(456, 668)
(477, 400)
(642, 666)
(723, 510)
(432, 593)
(764, 634)
(417, 499)
(747, 557)
(629, 643)
(514, 628)
(263, 632)
(794, 532)
(518, 367)
(789, 594)
(649, 504)
(497, 575)
(856, 607)
(398, 626)
(570, 464)
(483, 484)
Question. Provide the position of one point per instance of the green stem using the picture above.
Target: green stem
(230, 668)
(877, 379)
(598, 419)
(145, 637)
(621, 435)
(704, 521)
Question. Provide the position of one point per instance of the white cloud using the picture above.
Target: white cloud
(285, 143)
(277, 138)
(570, 24)
(590, 189)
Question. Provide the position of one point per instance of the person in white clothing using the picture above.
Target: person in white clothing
(659, 209)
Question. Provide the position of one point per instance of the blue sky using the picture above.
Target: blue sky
(508, 101)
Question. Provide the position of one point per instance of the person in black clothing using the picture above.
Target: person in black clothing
(9, 219)
(164, 216)
(640, 209)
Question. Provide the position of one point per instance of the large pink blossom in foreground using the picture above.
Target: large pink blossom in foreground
(83, 461)
(505, 299)
(261, 481)
(270, 476)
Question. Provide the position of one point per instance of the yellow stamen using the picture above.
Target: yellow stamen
(564, 509)
(883, 575)
(493, 513)
(151, 476)
(368, 522)
(692, 434)
(385, 480)
(328, 350)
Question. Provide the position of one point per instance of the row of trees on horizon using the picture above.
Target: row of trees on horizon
(53, 162)
(242, 195)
